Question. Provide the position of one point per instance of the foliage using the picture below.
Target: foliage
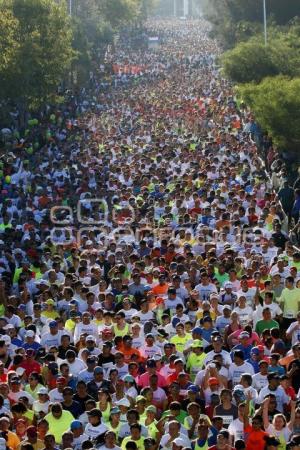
(252, 61)
(43, 54)
(8, 43)
(230, 16)
(276, 103)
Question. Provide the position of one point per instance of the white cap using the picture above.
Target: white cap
(29, 333)
(228, 285)
(42, 390)
(90, 337)
(123, 402)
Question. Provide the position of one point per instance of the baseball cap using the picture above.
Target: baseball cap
(197, 330)
(193, 388)
(50, 301)
(75, 425)
(61, 380)
(94, 413)
(30, 334)
(98, 369)
(255, 351)
(244, 335)
(217, 339)
(123, 402)
(128, 378)
(197, 343)
(53, 324)
(228, 285)
(151, 408)
(213, 381)
(115, 410)
(42, 391)
(90, 337)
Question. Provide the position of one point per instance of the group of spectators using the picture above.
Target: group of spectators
(150, 289)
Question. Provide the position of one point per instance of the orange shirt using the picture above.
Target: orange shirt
(254, 439)
(128, 354)
(160, 290)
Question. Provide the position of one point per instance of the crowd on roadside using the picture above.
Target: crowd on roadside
(149, 283)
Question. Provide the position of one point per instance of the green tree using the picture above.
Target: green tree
(44, 52)
(8, 41)
(276, 104)
(227, 16)
(252, 61)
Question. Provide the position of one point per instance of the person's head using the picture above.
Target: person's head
(94, 417)
(174, 427)
(67, 439)
(225, 395)
(271, 443)
(77, 428)
(273, 380)
(279, 422)
(257, 422)
(49, 442)
(267, 315)
(238, 357)
(56, 410)
(135, 431)
(223, 439)
(110, 439)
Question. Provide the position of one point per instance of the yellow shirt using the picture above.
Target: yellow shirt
(139, 443)
(57, 427)
(181, 341)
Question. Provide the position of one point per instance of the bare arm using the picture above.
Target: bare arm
(293, 414)
(265, 407)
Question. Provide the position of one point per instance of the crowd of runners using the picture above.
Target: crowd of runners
(150, 284)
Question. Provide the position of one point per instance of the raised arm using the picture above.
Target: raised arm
(265, 415)
(293, 414)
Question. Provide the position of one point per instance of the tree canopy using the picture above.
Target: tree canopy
(228, 17)
(276, 103)
(42, 50)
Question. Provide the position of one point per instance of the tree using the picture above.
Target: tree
(120, 12)
(43, 38)
(276, 104)
(252, 61)
(226, 15)
(8, 42)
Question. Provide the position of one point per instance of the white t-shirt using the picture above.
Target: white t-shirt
(294, 328)
(236, 429)
(166, 438)
(205, 291)
(259, 381)
(235, 372)
(282, 435)
(55, 396)
(93, 432)
(76, 366)
(249, 295)
(281, 397)
(49, 340)
(245, 314)
(226, 357)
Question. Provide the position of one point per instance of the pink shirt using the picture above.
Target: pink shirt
(143, 380)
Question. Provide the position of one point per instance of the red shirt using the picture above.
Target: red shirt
(30, 366)
(254, 439)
